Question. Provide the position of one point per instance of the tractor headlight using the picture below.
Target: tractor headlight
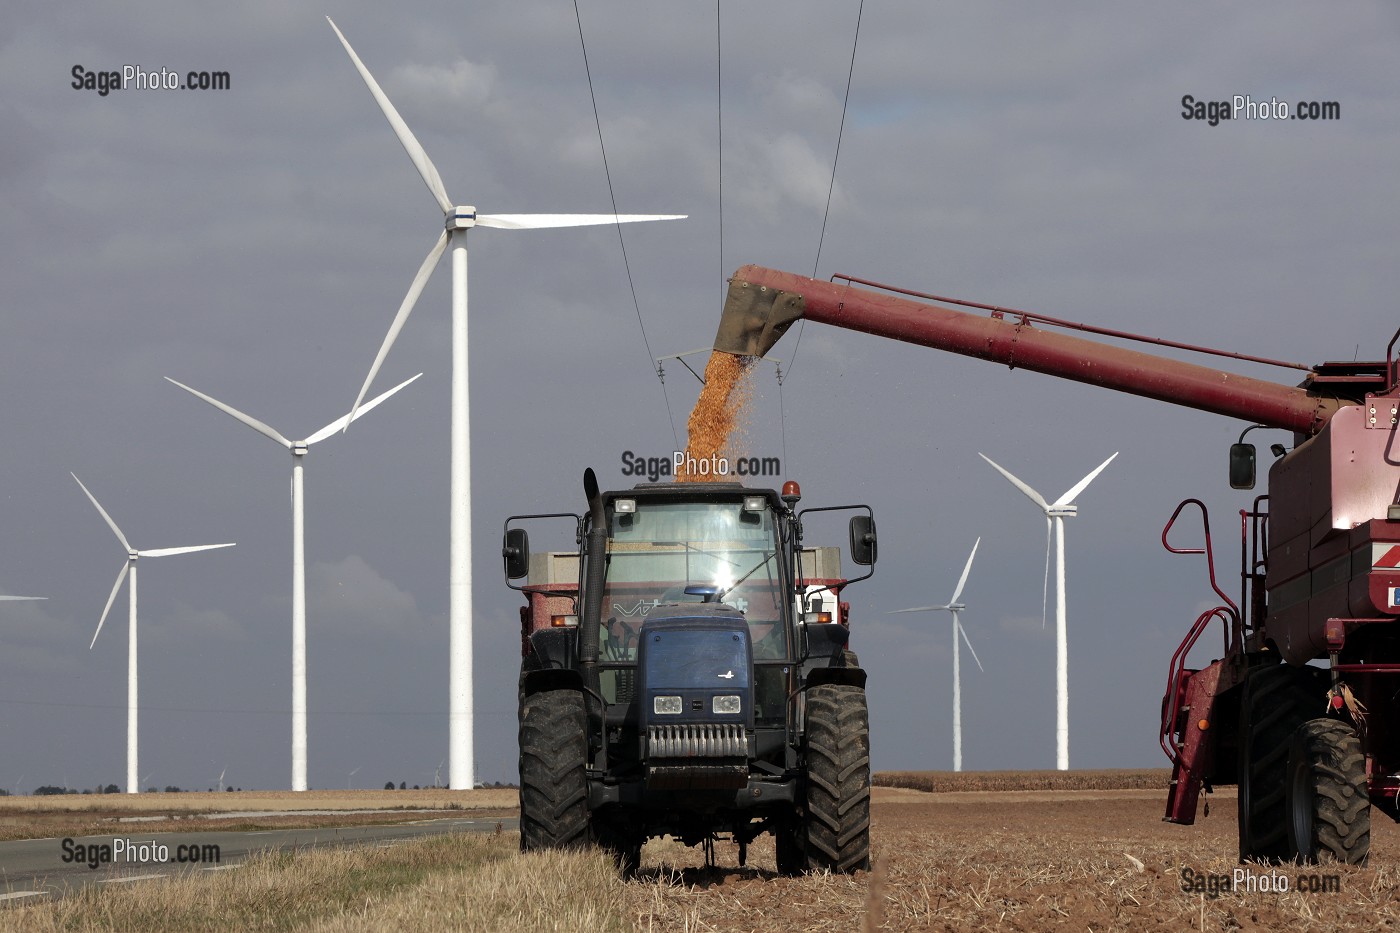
(662, 705)
(728, 703)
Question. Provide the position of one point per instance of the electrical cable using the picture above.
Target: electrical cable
(597, 121)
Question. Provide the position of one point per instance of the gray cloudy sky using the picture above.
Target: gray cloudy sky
(255, 242)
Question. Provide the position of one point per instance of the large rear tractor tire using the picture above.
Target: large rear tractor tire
(1329, 809)
(837, 744)
(1278, 698)
(553, 779)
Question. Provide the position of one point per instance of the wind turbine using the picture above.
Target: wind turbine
(132, 784)
(1055, 514)
(955, 607)
(351, 775)
(298, 449)
(459, 219)
(221, 778)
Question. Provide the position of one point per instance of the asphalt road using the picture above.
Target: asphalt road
(35, 869)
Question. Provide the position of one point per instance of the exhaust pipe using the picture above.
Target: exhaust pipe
(597, 546)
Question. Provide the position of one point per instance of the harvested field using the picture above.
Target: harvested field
(1107, 779)
(1028, 858)
(86, 814)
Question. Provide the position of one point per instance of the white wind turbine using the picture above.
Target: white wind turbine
(132, 784)
(955, 607)
(298, 449)
(459, 219)
(1055, 514)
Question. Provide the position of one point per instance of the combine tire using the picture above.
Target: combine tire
(837, 834)
(1277, 700)
(553, 783)
(1329, 810)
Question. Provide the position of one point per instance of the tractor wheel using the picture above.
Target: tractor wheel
(624, 846)
(1277, 700)
(553, 782)
(837, 836)
(1329, 808)
(787, 848)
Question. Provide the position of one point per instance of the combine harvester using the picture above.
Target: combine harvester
(1311, 748)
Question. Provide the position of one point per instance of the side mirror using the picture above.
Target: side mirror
(1241, 466)
(516, 551)
(864, 548)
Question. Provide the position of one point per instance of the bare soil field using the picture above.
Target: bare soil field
(1097, 859)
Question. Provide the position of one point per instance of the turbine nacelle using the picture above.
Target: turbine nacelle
(1062, 511)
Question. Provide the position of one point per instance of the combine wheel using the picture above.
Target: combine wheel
(1329, 810)
(553, 782)
(837, 834)
(1277, 700)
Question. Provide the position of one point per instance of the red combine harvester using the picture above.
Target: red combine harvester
(1311, 748)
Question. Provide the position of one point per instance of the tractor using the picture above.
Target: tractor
(687, 672)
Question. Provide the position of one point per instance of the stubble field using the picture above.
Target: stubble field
(1032, 858)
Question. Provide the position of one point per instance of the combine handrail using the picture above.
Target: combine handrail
(1228, 614)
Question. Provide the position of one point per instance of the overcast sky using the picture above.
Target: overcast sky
(254, 243)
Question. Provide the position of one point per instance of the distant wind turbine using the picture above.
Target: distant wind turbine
(955, 607)
(459, 219)
(221, 779)
(298, 449)
(132, 784)
(1055, 514)
(352, 774)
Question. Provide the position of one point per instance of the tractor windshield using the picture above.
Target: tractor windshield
(660, 549)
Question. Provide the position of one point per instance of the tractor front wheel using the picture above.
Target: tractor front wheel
(1329, 809)
(553, 779)
(837, 836)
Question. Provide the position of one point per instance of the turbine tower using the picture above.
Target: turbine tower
(459, 220)
(954, 607)
(1055, 514)
(132, 784)
(298, 449)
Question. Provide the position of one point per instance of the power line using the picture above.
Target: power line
(840, 133)
(597, 121)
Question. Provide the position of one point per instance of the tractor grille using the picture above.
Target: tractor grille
(704, 740)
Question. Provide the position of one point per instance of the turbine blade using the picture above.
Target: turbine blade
(121, 575)
(167, 551)
(1080, 486)
(410, 143)
(1034, 496)
(111, 524)
(916, 609)
(250, 421)
(344, 420)
(1045, 586)
(966, 569)
(544, 221)
(963, 632)
(22, 597)
(414, 290)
